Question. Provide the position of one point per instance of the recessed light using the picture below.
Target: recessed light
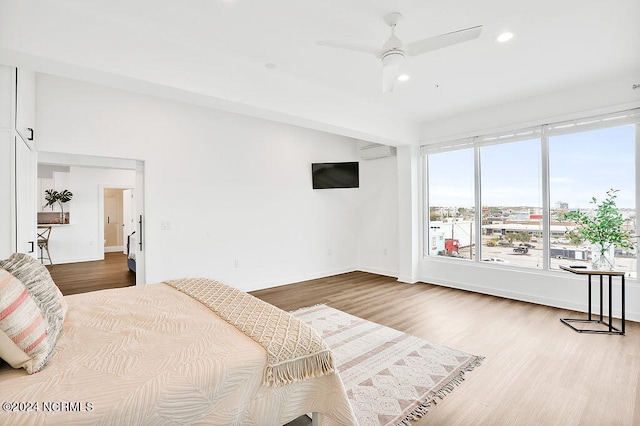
(403, 77)
(270, 65)
(504, 37)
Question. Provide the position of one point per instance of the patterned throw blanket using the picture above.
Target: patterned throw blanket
(295, 351)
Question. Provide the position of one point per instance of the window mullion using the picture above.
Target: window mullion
(546, 201)
(478, 203)
(637, 154)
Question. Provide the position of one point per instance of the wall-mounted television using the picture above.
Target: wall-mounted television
(335, 175)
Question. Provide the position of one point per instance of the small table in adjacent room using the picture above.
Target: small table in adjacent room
(610, 329)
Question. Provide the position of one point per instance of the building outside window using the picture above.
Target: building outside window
(451, 209)
(586, 164)
(511, 189)
(512, 215)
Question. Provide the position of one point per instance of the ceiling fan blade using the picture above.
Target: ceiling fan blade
(443, 40)
(389, 75)
(353, 47)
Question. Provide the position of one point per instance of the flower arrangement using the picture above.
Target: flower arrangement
(604, 229)
(52, 197)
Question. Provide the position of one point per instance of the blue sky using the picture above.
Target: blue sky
(581, 165)
(588, 164)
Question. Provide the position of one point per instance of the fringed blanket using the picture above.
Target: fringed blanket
(295, 351)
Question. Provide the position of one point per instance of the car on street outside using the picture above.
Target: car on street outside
(494, 260)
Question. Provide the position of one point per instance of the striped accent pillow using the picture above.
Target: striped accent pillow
(23, 335)
(40, 286)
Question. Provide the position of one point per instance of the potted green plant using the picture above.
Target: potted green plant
(52, 197)
(604, 229)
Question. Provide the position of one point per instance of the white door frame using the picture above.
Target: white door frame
(110, 163)
(101, 189)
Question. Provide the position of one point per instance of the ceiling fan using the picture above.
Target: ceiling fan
(394, 51)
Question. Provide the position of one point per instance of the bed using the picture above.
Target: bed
(153, 354)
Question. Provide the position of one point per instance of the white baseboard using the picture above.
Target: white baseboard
(408, 280)
(531, 298)
(113, 249)
(300, 278)
(378, 271)
(78, 260)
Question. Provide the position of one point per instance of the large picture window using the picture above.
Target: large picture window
(512, 189)
(512, 203)
(451, 211)
(583, 165)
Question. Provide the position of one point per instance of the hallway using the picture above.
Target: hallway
(82, 277)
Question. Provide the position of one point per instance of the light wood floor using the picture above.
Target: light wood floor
(81, 277)
(537, 371)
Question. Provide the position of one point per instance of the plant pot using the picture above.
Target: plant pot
(603, 258)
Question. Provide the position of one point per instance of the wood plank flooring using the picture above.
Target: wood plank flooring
(537, 371)
(81, 277)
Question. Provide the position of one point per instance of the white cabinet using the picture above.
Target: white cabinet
(26, 169)
(6, 180)
(17, 164)
(7, 76)
(26, 105)
(25, 197)
(7, 99)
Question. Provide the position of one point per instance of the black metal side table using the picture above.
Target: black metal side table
(589, 273)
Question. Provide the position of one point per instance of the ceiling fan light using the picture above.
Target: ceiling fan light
(504, 37)
(392, 57)
(403, 77)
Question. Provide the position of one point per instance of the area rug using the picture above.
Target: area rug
(390, 377)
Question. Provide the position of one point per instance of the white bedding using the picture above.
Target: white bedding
(152, 355)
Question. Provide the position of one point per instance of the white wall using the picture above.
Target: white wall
(82, 239)
(236, 188)
(378, 248)
(553, 288)
(236, 191)
(233, 188)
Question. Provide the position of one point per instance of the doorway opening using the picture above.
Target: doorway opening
(107, 211)
(118, 222)
(119, 226)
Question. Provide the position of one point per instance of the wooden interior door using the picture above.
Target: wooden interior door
(113, 219)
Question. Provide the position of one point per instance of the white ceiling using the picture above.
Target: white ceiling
(215, 52)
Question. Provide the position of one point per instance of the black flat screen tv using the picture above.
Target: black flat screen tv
(335, 175)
